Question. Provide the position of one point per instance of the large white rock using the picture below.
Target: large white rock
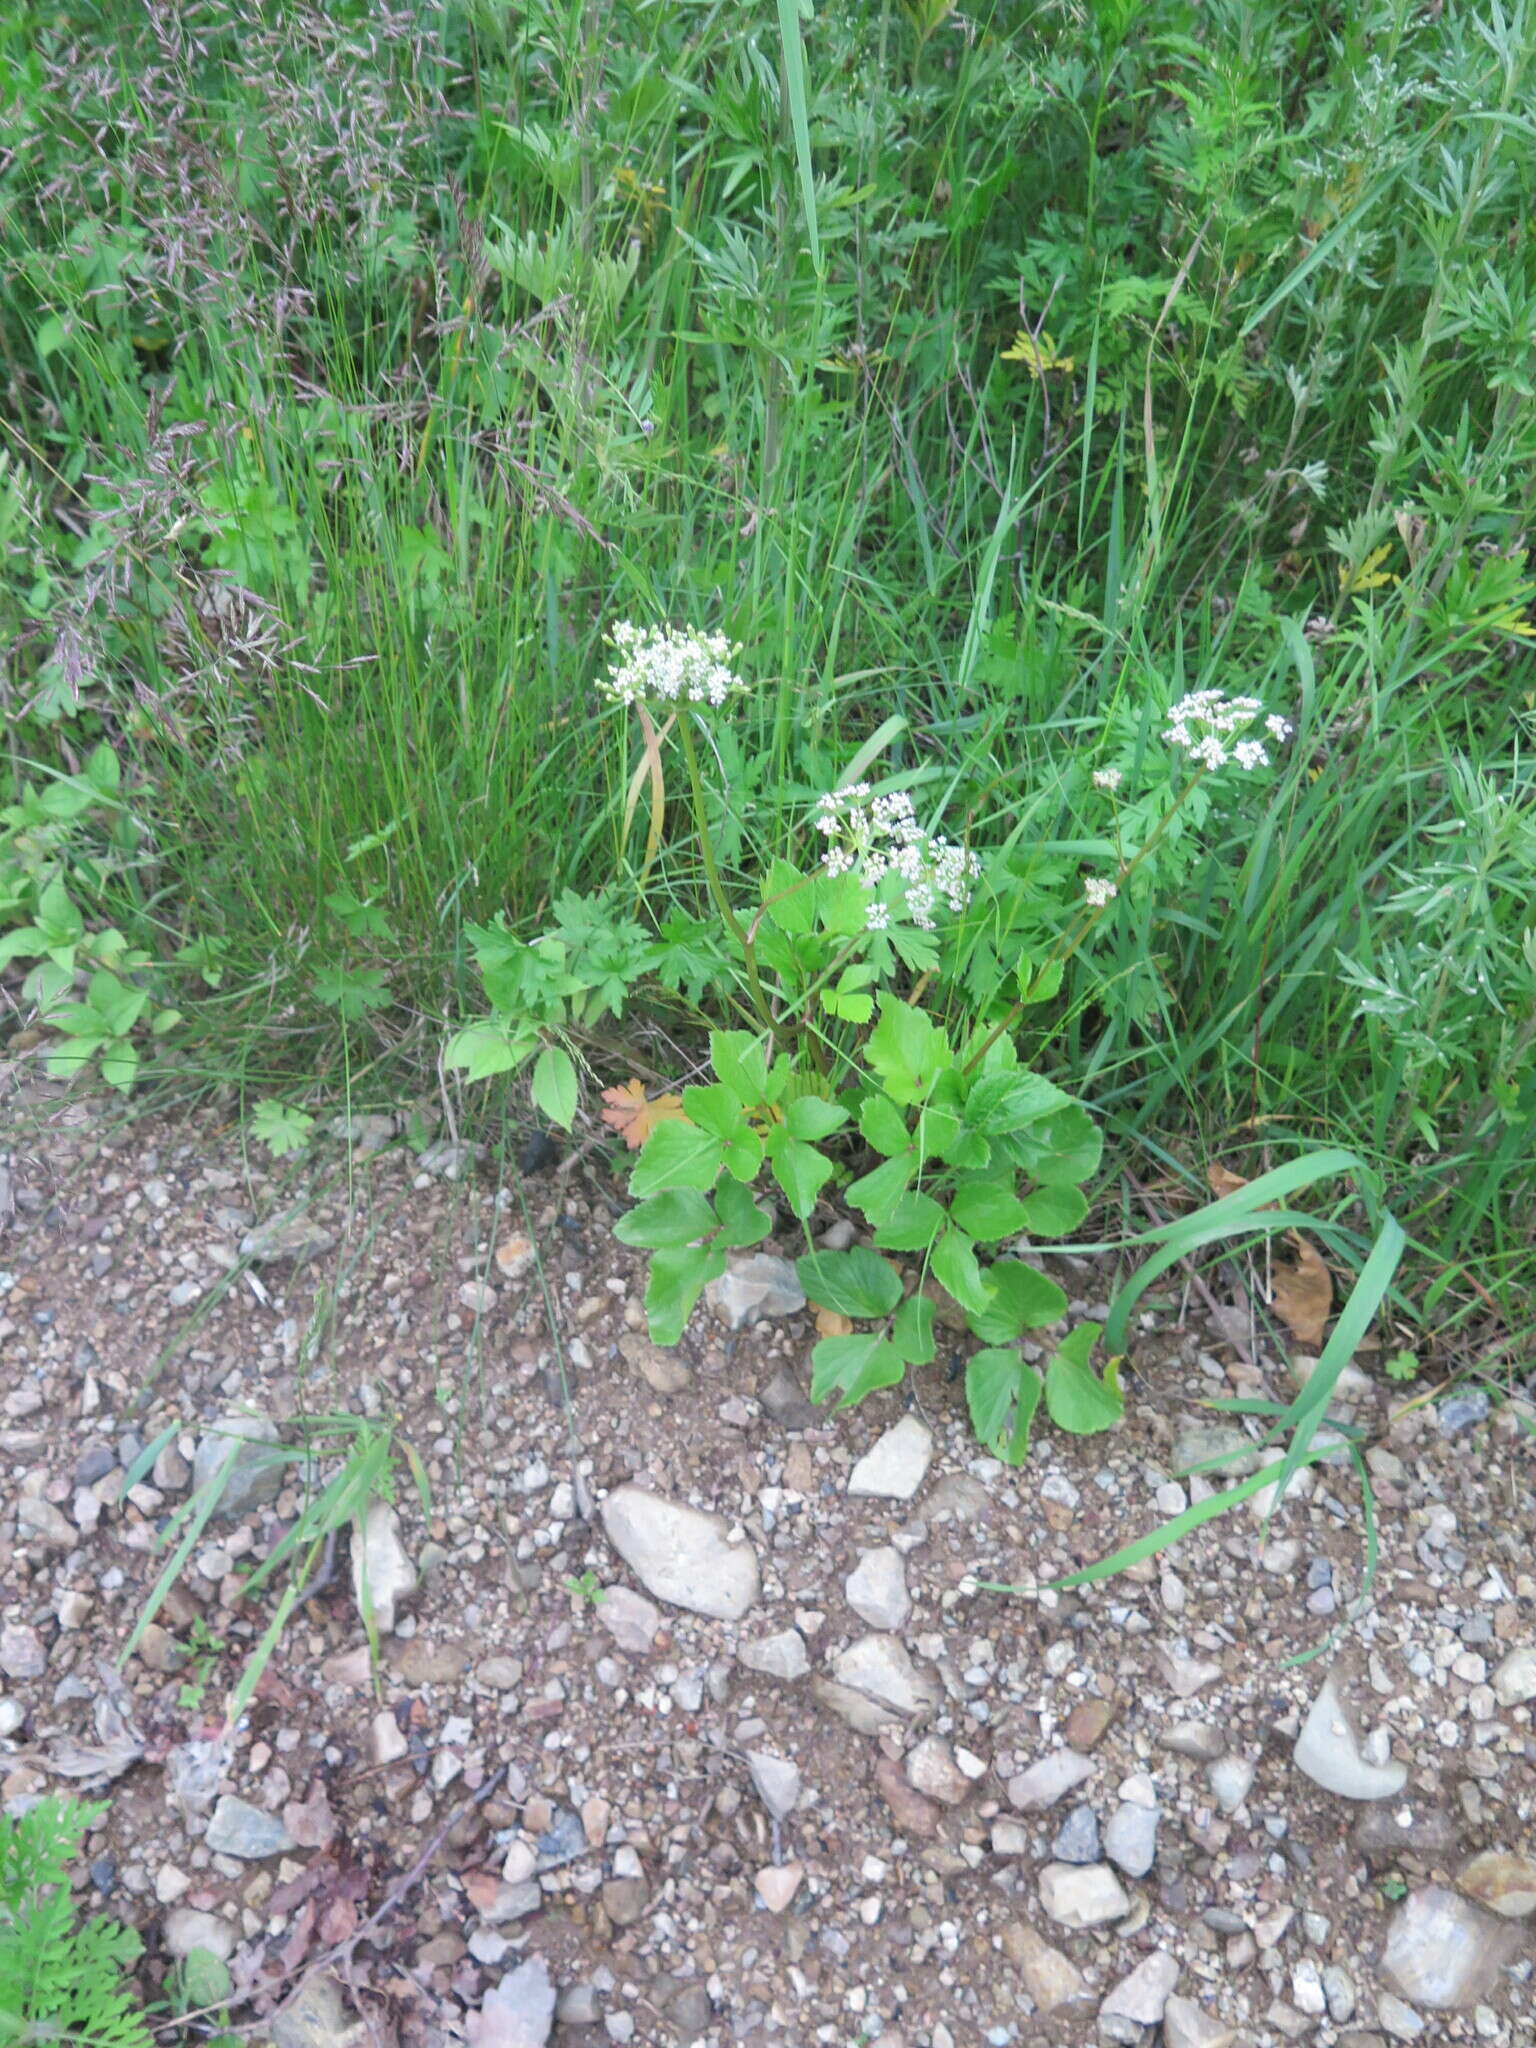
(1328, 1750)
(680, 1554)
(896, 1466)
(381, 1567)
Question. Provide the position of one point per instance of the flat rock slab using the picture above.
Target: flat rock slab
(680, 1554)
(896, 1466)
(1082, 1895)
(1443, 1951)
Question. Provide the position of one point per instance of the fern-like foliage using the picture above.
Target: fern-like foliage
(59, 1981)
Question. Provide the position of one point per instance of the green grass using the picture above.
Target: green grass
(358, 379)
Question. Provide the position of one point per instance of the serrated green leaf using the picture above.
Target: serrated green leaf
(953, 1264)
(1061, 1150)
(554, 1087)
(907, 1050)
(912, 1330)
(854, 1283)
(1054, 1212)
(800, 1170)
(876, 1194)
(912, 1225)
(65, 1061)
(1001, 1104)
(852, 1367)
(742, 1221)
(677, 1217)
(883, 1127)
(679, 1275)
(1003, 1393)
(812, 1117)
(987, 1209)
(1077, 1400)
(1022, 1299)
(740, 1064)
(677, 1155)
(481, 1050)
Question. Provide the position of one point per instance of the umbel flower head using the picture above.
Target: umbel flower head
(670, 665)
(879, 836)
(1206, 725)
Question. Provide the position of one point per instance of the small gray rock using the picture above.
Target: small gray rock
(1187, 2025)
(782, 1655)
(777, 1781)
(1232, 1780)
(381, 1567)
(1137, 2003)
(1444, 1952)
(286, 1237)
(240, 1829)
(630, 1619)
(785, 1402)
(1195, 1738)
(1082, 1895)
(753, 1287)
(1052, 1778)
(1463, 1412)
(1130, 1840)
(877, 1589)
(40, 1518)
(519, 2012)
(1077, 1839)
(896, 1466)
(257, 1467)
(185, 1929)
(1514, 1680)
(880, 1667)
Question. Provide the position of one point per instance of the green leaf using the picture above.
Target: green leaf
(988, 1209)
(677, 1217)
(554, 1086)
(1054, 1212)
(853, 1367)
(1061, 1150)
(487, 1048)
(676, 1155)
(1022, 1299)
(119, 1064)
(883, 1127)
(351, 991)
(1001, 1104)
(912, 1330)
(800, 1170)
(1077, 1400)
(876, 1194)
(911, 1225)
(60, 922)
(854, 1283)
(907, 1050)
(65, 1061)
(1037, 981)
(742, 1221)
(679, 1275)
(954, 1266)
(203, 1980)
(789, 899)
(1002, 1393)
(812, 1118)
(280, 1126)
(716, 1109)
(740, 1064)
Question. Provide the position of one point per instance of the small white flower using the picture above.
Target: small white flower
(1213, 729)
(1251, 754)
(1107, 778)
(1099, 892)
(878, 836)
(877, 918)
(670, 665)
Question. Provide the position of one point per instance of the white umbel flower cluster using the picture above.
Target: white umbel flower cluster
(1206, 725)
(879, 836)
(1099, 892)
(670, 665)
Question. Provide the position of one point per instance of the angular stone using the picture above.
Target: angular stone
(1422, 1830)
(1077, 1839)
(256, 1472)
(914, 1815)
(781, 1655)
(784, 1400)
(680, 1554)
(864, 1715)
(1186, 1675)
(519, 2012)
(1232, 1780)
(1505, 1884)
(1187, 2025)
(894, 1467)
(1130, 1840)
(663, 1371)
(240, 1829)
(1220, 1447)
(877, 1588)
(753, 1287)
(1137, 2003)
(381, 1567)
(932, 1770)
(1514, 1680)
(1052, 1778)
(1051, 1979)
(40, 1518)
(630, 1619)
(1400, 2021)
(1443, 1951)
(880, 1666)
(777, 1781)
(1194, 1738)
(1082, 1895)
(625, 1899)
(776, 1886)
(1328, 1751)
(1087, 1724)
(286, 1237)
(185, 1929)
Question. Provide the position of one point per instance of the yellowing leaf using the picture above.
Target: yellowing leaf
(634, 1115)
(1037, 352)
(1303, 1294)
(1369, 575)
(1223, 1180)
(830, 1324)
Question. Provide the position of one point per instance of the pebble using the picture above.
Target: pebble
(1443, 1951)
(782, 1655)
(877, 1589)
(519, 2012)
(1052, 1778)
(753, 1287)
(776, 1886)
(1400, 2021)
(784, 1401)
(1082, 1895)
(382, 1572)
(185, 1928)
(21, 1652)
(1463, 1411)
(1138, 2002)
(932, 1770)
(896, 1465)
(630, 1619)
(1077, 1839)
(1195, 1739)
(1130, 1839)
(777, 1782)
(1329, 1752)
(1339, 1992)
(286, 1237)
(240, 1829)
(40, 1518)
(1231, 1780)
(680, 1554)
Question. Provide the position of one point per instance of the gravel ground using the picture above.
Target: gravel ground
(693, 1725)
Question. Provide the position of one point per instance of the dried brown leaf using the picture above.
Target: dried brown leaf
(634, 1115)
(830, 1323)
(1302, 1294)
